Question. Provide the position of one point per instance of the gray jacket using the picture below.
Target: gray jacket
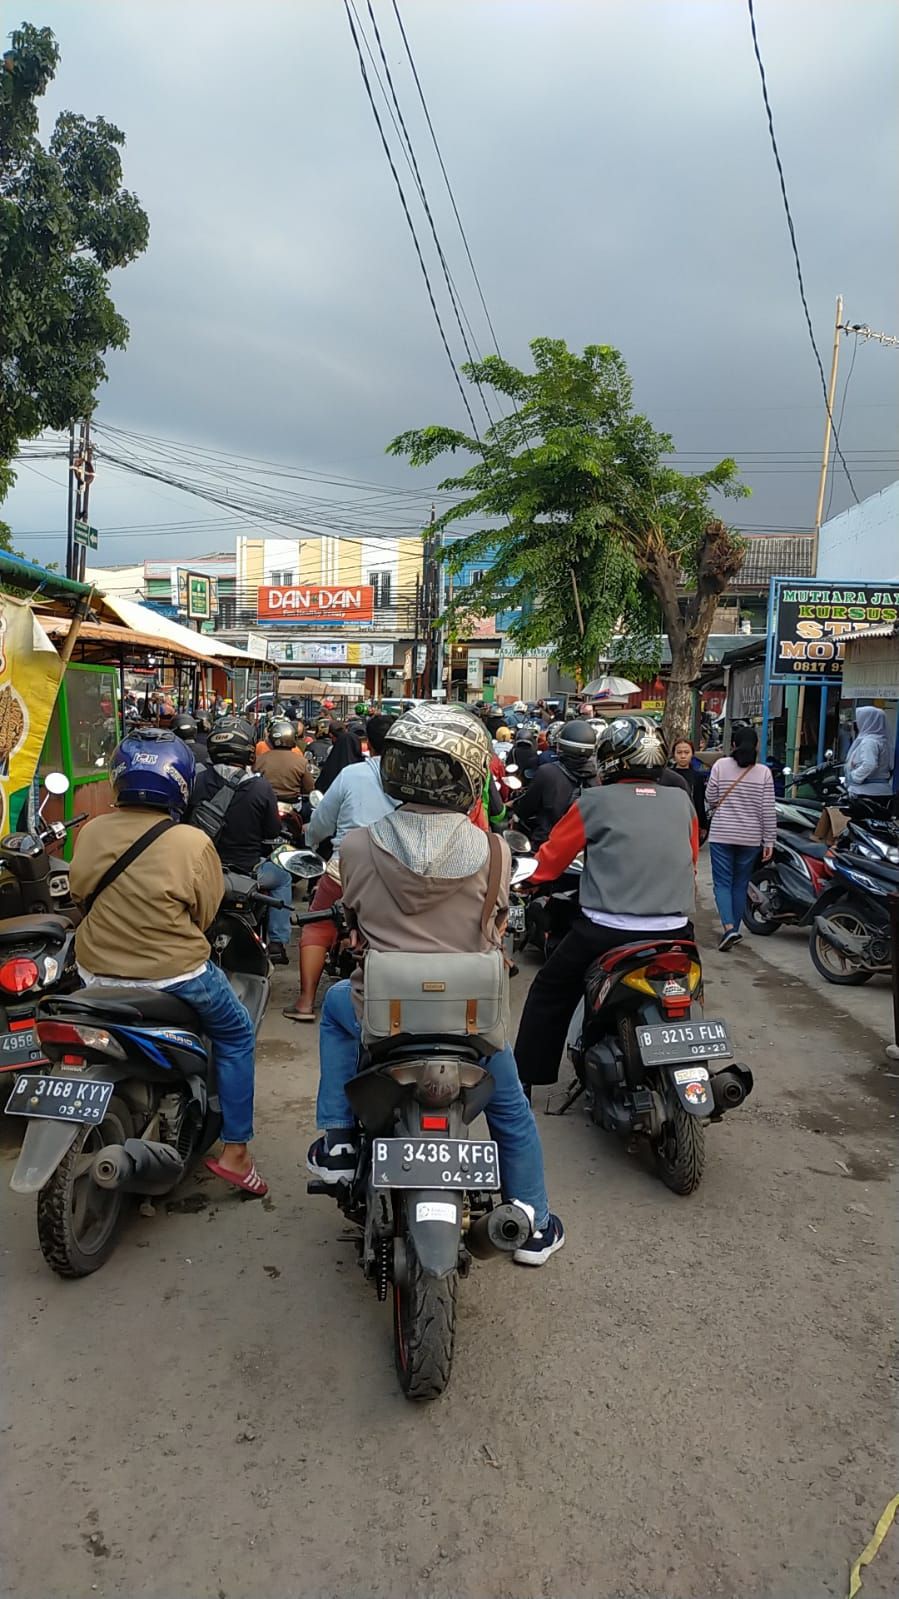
(868, 765)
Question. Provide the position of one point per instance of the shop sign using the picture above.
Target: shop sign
(316, 602)
(331, 652)
(811, 619)
(746, 692)
(195, 594)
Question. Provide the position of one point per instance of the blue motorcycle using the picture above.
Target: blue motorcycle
(849, 940)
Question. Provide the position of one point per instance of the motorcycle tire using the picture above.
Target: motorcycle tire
(826, 960)
(762, 927)
(77, 1222)
(680, 1152)
(424, 1329)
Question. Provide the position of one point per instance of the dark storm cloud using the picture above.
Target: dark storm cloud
(612, 165)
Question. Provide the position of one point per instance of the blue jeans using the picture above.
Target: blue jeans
(732, 867)
(276, 881)
(509, 1116)
(227, 1024)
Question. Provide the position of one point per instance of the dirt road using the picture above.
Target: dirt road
(693, 1398)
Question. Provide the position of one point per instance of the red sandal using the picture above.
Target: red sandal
(251, 1183)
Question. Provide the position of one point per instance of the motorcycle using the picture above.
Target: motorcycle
(533, 917)
(642, 1048)
(128, 1103)
(37, 947)
(786, 889)
(422, 1196)
(849, 941)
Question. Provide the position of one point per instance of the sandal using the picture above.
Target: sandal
(295, 1015)
(251, 1183)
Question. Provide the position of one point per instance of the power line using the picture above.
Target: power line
(408, 216)
(802, 295)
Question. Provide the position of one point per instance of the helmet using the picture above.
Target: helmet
(204, 722)
(520, 707)
(576, 745)
(553, 733)
(281, 733)
(436, 755)
(632, 741)
(322, 727)
(231, 742)
(184, 726)
(152, 767)
(361, 708)
(504, 735)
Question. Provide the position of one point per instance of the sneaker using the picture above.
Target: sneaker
(277, 954)
(728, 940)
(540, 1246)
(332, 1158)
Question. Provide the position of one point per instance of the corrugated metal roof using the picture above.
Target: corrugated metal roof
(775, 555)
(880, 630)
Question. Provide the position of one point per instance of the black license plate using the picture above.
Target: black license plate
(666, 1043)
(434, 1163)
(20, 1049)
(515, 921)
(65, 1099)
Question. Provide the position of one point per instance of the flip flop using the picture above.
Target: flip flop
(295, 1015)
(251, 1183)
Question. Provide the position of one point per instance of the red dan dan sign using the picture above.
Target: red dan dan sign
(316, 602)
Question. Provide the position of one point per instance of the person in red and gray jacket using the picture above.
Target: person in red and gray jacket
(640, 839)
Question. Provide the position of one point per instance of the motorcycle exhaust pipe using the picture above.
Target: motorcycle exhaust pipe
(730, 1087)
(499, 1231)
(845, 943)
(138, 1166)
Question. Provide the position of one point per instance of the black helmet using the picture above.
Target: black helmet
(553, 734)
(204, 722)
(231, 742)
(185, 727)
(281, 734)
(632, 741)
(576, 745)
(436, 755)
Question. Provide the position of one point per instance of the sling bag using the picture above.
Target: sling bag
(124, 861)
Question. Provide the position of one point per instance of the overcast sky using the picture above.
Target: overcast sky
(612, 166)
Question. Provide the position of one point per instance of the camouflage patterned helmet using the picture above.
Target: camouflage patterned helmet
(436, 755)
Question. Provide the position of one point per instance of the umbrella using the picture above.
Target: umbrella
(609, 687)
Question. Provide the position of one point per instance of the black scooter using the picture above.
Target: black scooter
(129, 1101)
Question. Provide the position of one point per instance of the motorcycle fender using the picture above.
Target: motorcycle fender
(45, 1144)
(692, 1086)
(434, 1224)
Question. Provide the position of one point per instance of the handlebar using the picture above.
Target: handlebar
(76, 821)
(332, 915)
(265, 899)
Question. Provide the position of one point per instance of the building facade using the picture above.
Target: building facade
(863, 542)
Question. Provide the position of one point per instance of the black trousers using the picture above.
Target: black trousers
(557, 988)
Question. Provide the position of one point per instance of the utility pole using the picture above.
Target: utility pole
(81, 476)
(70, 519)
(828, 429)
(429, 597)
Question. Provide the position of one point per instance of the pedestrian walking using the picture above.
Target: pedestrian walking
(740, 802)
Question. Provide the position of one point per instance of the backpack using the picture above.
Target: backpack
(209, 813)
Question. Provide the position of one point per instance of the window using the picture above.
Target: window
(91, 706)
(282, 579)
(477, 574)
(381, 583)
(227, 613)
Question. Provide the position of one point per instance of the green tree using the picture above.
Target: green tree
(65, 222)
(598, 544)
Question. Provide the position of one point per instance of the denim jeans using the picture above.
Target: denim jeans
(509, 1116)
(227, 1024)
(732, 867)
(276, 881)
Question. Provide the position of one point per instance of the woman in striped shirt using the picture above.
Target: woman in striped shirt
(740, 800)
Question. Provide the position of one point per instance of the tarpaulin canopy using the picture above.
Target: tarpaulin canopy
(162, 630)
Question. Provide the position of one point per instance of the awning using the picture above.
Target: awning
(97, 639)
(163, 631)
(18, 573)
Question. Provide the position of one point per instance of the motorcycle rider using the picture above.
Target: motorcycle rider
(187, 730)
(416, 881)
(147, 928)
(251, 823)
(283, 764)
(556, 784)
(640, 839)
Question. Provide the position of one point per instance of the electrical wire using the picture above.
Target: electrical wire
(408, 216)
(833, 469)
(802, 295)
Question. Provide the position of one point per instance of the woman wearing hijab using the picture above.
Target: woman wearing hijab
(347, 751)
(869, 768)
(740, 801)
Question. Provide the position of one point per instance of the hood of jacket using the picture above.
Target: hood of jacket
(422, 857)
(869, 719)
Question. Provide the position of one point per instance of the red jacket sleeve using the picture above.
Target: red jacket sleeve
(565, 841)
(694, 835)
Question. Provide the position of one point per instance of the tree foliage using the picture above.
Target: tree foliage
(594, 537)
(65, 222)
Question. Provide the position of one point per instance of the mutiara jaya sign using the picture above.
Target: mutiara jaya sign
(809, 621)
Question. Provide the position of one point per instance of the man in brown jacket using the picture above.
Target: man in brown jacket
(416, 881)
(286, 768)
(147, 928)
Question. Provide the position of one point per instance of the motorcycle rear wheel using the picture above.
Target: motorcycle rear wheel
(763, 927)
(680, 1152)
(77, 1222)
(832, 965)
(424, 1329)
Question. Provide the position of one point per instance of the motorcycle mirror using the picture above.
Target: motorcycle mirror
(299, 862)
(788, 771)
(511, 769)
(315, 798)
(518, 843)
(522, 870)
(58, 783)
(513, 784)
(828, 755)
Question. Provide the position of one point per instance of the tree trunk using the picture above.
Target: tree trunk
(686, 661)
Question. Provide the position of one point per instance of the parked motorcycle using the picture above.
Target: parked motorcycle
(32, 880)
(641, 1048)
(128, 1103)
(785, 889)
(422, 1196)
(849, 941)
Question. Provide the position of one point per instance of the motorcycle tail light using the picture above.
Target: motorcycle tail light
(435, 1124)
(66, 1034)
(18, 975)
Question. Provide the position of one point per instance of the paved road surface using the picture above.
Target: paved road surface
(693, 1398)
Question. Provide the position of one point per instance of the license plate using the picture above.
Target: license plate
(434, 1163)
(20, 1049)
(666, 1043)
(516, 919)
(67, 1099)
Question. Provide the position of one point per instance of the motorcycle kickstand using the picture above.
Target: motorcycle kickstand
(574, 1093)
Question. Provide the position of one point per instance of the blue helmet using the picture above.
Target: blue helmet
(153, 767)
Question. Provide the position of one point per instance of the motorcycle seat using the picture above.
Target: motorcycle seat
(124, 1004)
(806, 846)
(626, 952)
(14, 928)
